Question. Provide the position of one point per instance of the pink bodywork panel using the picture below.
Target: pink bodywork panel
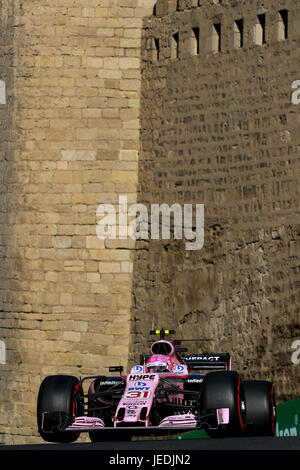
(223, 415)
(139, 394)
(141, 386)
(188, 420)
(82, 423)
(177, 421)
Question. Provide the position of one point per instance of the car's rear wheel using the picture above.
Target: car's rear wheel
(258, 408)
(59, 394)
(222, 390)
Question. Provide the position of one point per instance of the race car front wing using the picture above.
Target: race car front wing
(53, 422)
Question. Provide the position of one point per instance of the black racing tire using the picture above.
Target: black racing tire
(258, 404)
(221, 389)
(59, 393)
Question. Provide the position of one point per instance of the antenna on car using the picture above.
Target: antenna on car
(162, 333)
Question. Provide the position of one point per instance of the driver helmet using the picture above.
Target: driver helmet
(158, 364)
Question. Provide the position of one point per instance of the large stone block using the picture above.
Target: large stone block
(164, 7)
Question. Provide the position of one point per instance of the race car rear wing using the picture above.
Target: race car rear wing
(208, 361)
(202, 361)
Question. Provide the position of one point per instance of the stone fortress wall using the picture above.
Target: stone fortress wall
(178, 101)
(219, 128)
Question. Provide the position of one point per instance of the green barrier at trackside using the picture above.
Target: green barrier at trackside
(288, 422)
(193, 435)
(288, 418)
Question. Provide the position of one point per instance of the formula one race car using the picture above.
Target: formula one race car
(162, 395)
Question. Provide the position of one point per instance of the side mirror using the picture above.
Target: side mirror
(115, 369)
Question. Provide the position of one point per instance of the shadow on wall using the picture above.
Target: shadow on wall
(200, 144)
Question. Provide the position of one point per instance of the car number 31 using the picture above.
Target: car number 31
(137, 394)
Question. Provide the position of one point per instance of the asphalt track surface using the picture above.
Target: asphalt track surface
(224, 444)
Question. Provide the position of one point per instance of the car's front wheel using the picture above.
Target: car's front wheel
(221, 389)
(59, 395)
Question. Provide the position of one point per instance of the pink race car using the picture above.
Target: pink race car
(159, 396)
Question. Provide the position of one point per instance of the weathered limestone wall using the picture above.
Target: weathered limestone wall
(219, 128)
(7, 166)
(73, 77)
